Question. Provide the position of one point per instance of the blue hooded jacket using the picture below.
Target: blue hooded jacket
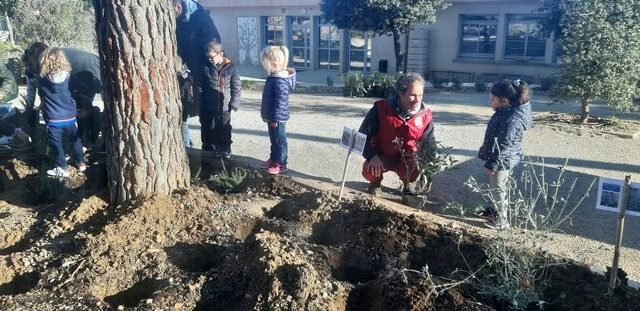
(502, 146)
(275, 97)
(59, 108)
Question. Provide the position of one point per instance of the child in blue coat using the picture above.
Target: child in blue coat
(275, 104)
(59, 110)
(501, 149)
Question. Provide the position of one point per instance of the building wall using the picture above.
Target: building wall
(444, 36)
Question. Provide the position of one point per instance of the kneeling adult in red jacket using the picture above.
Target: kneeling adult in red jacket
(397, 128)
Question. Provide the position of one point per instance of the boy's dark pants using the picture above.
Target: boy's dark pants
(55, 136)
(279, 146)
(215, 129)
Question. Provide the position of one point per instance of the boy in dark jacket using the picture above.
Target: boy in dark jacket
(220, 94)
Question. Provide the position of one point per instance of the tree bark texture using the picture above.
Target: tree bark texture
(137, 45)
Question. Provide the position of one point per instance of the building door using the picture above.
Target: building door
(300, 41)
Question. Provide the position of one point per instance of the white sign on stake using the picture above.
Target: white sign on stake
(353, 141)
(358, 141)
(609, 192)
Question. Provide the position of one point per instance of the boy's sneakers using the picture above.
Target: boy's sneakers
(82, 167)
(277, 168)
(22, 136)
(266, 164)
(58, 172)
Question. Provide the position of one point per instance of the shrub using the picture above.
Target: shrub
(248, 84)
(520, 268)
(480, 84)
(457, 84)
(368, 84)
(438, 83)
(226, 182)
(546, 84)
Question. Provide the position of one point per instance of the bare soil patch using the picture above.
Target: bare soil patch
(594, 125)
(275, 246)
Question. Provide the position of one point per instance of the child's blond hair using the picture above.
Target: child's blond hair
(53, 62)
(277, 55)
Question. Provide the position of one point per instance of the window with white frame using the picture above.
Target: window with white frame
(525, 38)
(478, 37)
(360, 50)
(300, 41)
(273, 30)
(328, 46)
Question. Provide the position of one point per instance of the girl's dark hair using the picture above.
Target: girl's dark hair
(517, 92)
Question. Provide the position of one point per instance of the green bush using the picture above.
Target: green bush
(546, 84)
(248, 84)
(480, 83)
(457, 84)
(375, 84)
(438, 83)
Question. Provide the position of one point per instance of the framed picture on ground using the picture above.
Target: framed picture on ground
(610, 196)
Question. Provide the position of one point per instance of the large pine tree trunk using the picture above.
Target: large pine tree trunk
(145, 153)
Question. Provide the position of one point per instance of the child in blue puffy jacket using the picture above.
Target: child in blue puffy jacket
(59, 110)
(275, 104)
(501, 149)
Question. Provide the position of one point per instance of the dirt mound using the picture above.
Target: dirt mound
(275, 246)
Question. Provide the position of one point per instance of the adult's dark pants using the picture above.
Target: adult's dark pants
(6, 128)
(215, 130)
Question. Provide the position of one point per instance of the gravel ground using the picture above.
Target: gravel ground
(315, 157)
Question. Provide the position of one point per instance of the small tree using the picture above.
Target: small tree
(55, 22)
(599, 43)
(384, 17)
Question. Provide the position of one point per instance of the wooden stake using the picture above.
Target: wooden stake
(624, 198)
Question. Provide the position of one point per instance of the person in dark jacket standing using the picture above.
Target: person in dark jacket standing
(275, 104)
(59, 110)
(501, 149)
(401, 119)
(220, 86)
(194, 30)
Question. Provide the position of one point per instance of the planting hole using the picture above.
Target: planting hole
(195, 257)
(134, 294)
(20, 284)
